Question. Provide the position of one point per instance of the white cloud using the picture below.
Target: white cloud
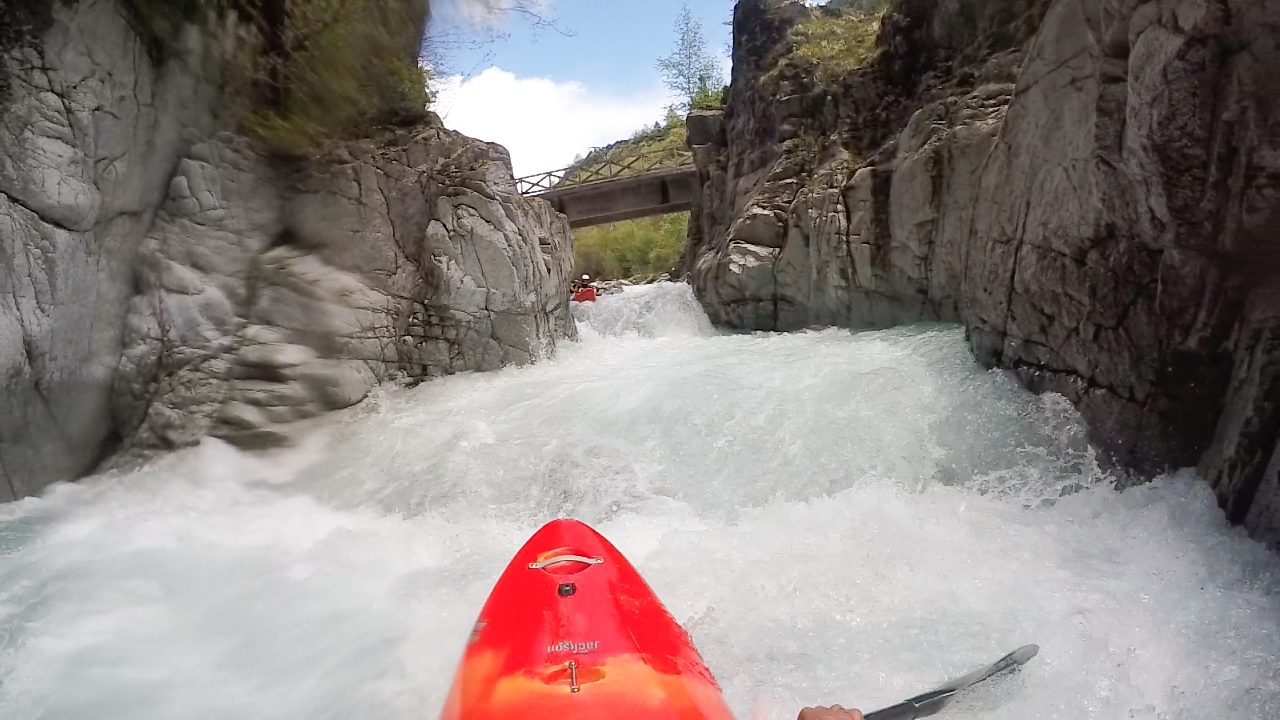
(543, 123)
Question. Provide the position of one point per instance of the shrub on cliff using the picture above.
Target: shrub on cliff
(708, 98)
(343, 66)
(299, 73)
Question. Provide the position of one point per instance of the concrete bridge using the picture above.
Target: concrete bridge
(618, 188)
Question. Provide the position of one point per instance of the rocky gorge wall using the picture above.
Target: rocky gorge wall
(1089, 186)
(162, 279)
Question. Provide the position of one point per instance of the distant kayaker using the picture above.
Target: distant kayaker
(584, 292)
(835, 712)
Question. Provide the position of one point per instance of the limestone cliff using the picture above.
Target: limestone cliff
(1089, 186)
(162, 279)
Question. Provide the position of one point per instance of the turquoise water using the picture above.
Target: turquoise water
(835, 517)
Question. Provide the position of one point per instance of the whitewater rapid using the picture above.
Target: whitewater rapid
(834, 516)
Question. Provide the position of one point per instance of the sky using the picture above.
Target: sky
(550, 95)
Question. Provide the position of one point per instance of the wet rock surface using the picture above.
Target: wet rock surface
(161, 281)
(1089, 186)
(274, 295)
(89, 130)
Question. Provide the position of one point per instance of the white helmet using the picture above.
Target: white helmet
(586, 277)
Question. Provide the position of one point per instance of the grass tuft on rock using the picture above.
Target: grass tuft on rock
(837, 41)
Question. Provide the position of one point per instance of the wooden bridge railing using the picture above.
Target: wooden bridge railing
(611, 167)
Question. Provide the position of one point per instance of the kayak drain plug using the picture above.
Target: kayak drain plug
(566, 590)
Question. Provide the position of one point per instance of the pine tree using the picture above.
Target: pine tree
(691, 73)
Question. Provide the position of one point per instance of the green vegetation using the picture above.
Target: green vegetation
(837, 41)
(659, 146)
(690, 72)
(303, 72)
(632, 248)
(642, 247)
(650, 246)
(708, 99)
(344, 66)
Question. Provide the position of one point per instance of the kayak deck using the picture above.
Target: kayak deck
(572, 632)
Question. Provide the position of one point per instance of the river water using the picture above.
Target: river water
(835, 517)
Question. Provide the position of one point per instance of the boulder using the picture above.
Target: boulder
(705, 127)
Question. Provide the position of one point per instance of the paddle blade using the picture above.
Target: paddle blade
(933, 701)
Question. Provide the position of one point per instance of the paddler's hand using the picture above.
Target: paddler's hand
(835, 712)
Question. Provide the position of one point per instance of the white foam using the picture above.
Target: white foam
(837, 517)
(650, 311)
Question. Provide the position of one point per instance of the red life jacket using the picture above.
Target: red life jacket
(586, 294)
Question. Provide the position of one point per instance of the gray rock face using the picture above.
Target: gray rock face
(1099, 208)
(273, 297)
(88, 137)
(160, 281)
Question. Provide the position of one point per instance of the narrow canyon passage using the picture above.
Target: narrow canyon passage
(835, 517)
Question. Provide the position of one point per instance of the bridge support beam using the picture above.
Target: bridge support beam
(626, 198)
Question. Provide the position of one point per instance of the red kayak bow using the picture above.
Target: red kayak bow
(572, 632)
